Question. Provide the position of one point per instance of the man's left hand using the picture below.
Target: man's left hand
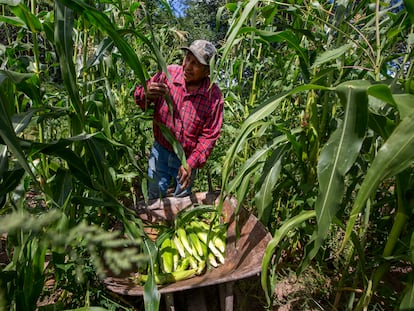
(184, 176)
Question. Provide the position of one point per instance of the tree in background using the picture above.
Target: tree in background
(199, 19)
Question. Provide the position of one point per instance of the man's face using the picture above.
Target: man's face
(194, 71)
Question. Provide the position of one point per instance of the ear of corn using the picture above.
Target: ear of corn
(179, 246)
(182, 235)
(195, 242)
(185, 249)
(166, 256)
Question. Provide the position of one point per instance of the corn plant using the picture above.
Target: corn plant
(327, 134)
(66, 135)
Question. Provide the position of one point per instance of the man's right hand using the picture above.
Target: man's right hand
(156, 90)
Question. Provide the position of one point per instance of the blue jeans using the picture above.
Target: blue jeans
(163, 168)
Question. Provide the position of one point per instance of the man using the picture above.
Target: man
(195, 120)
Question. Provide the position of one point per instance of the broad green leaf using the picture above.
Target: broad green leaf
(31, 21)
(339, 153)
(382, 92)
(330, 55)
(101, 21)
(62, 186)
(10, 180)
(247, 167)
(178, 149)
(255, 120)
(102, 49)
(243, 189)
(7, 132)
(20, 122)
(264, 197)
(407, 302)
(151, 294)
(75, 163)
(381, 125)
(405, 104)
(235, 28)
(64, 46)
(62, 143)
(392, 158)
(97, 155)
(284, 36)
(409, 6)
(290, 224)
(15, 77)
(12, 20)
(153, 47)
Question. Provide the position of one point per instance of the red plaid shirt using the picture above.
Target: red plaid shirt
(196, 119)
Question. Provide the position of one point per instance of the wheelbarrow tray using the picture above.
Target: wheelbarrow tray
(244, 252)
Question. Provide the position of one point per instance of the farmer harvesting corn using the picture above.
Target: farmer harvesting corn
(192, 109)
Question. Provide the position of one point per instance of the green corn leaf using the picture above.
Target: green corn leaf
(382, 92)
(250, 166)
(76, 165)
(21, 121)
(381, 125)
(280, 233)
(152, 296)
(331, 55)
(284, 36)
(64, 47)
(101, 21)
(407, 302)
(178, 149)
(7, 132)
(235, 28)
(254, 121)
(339, 154)
(405, 104)
(15, 77)
(30, 20)
(409, 6)
(62, 187)
(264, 197)
(392, 158)
(12, 20)
(10, 180)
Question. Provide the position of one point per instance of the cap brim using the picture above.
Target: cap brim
(200, 59)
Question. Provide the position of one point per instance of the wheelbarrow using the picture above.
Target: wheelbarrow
(244, 251)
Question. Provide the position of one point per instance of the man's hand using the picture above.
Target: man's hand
(156, 90)
(184, 176)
